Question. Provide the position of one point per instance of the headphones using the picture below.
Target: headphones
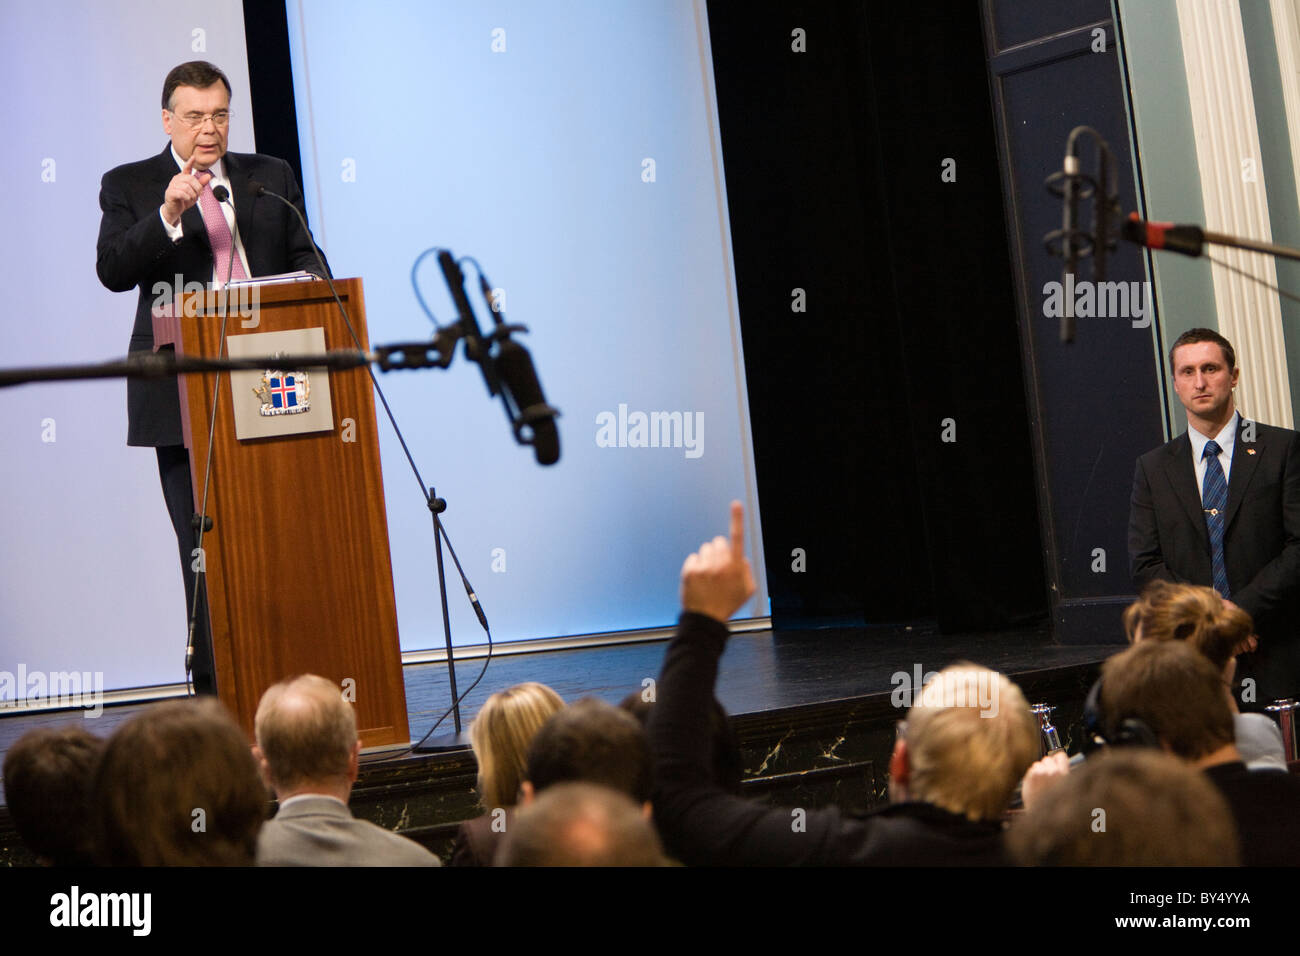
(1099, 732)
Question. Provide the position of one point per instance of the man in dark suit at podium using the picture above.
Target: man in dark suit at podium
(1220, 506)
(163, 226)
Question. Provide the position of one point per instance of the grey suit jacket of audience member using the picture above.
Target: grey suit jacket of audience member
(1259, 741)
(321, 831)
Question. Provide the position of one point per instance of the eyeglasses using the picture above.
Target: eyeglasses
(220, 118)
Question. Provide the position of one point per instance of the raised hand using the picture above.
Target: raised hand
(717, 580)
(183, 191)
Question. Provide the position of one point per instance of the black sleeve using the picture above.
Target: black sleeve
(128, 246)
(1146, 560)
(702, 824)
(463, 850)
(1277, 582)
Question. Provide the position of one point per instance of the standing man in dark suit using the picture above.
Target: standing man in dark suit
(163, 227)
(1220, 506)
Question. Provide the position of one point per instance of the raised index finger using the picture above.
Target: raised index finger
(737, 530)
(189, 165)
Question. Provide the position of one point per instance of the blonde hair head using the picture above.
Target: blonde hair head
(970, 739)
(500, 736)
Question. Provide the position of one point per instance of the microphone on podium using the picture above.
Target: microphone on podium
(222, 195)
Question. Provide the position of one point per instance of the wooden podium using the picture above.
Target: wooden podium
(299, 577)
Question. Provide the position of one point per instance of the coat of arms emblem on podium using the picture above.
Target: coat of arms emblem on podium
(284, 392)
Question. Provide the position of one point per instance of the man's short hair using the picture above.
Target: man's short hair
(306, 731)
(1174, 690)
(47, 774)
(592, 742)
(966, 755)
(580, 824)
(1193, 613)
(1127, 808)
(199, 74)
(178, 786)
(1194, 336)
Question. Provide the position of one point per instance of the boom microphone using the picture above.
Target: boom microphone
(1189, 240)
(508, 371)
(519, 381)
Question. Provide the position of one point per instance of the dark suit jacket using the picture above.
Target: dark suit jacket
(134, 251)
(1265, 806)
(1168, 539)
(477, 841)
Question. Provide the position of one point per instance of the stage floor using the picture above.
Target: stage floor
(762, 672)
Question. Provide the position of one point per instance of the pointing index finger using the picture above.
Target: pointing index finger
(737, 531)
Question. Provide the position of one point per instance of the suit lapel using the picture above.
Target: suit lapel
(1245, 459)
(164, 167)
(1181, 474)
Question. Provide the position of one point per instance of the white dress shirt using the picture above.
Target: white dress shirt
(227, 208)
(298, 797)
(1226, 439)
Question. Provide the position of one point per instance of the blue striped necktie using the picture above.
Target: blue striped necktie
(1214, 499)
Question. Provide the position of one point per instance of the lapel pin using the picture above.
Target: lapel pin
(1250, 451)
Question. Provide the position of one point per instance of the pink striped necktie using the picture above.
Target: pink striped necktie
(218, 234)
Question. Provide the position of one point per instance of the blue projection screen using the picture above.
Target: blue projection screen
(572, 149)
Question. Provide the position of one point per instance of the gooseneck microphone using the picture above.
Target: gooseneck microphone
(201, 522)
(435, 504)
(222, 195)
(258, 189)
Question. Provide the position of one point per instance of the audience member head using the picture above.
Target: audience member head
(1127, 808)
(500, 735)
(307, 738)
(590, 742)
(47, 774)
(969, 739)
(580, 824)
(1191, 613)
(1172, 689)
(178, 786)
(726, 763)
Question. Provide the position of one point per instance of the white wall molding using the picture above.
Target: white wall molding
(1236, 201)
